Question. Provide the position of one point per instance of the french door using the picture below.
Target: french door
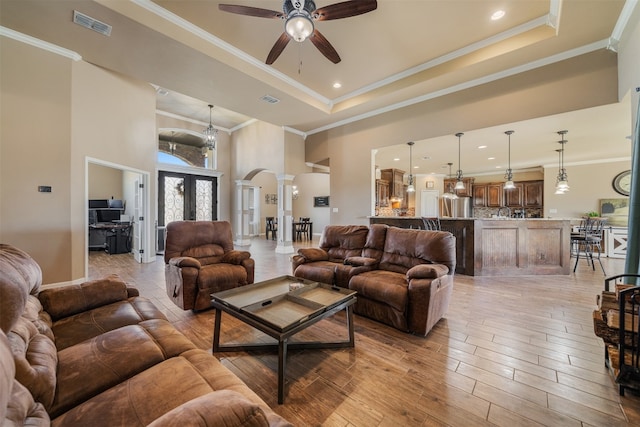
(186, 197)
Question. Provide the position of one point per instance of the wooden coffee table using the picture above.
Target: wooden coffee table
(279, 311)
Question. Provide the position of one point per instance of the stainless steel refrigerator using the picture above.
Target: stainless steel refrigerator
(457, 208)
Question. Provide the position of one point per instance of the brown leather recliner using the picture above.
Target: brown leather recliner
(200, 260)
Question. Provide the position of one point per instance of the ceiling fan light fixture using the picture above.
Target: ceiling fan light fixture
(299, 26)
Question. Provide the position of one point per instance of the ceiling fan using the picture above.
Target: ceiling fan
(299, 16)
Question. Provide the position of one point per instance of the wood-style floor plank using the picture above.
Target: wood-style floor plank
(510, 351)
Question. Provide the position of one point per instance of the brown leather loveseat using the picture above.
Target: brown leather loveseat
(404, 278)
(200, 260)
(99, 354)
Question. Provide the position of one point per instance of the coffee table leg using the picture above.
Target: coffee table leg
(216, 331)
(352, 341)
(282, 363)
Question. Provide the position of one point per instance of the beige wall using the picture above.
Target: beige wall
(311, 185)
(104, 182)
(35, 135)
(589, 184)
(524, 96)
(114, 121)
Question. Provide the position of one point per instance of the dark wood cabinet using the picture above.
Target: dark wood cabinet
(494, 195)
(487, 195)
(382, 193)
(395, 178)
(514, 197)
(479, 197)
(533, 192)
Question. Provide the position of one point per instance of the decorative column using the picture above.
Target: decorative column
(243, 214)
(285, 214)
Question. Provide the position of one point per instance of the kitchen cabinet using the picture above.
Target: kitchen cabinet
(479, 196)
(449, 183)
(514, 197)
(382, 193)
(395, 178)
(487, 195)
(533, 191)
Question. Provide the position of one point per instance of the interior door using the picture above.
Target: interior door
(186, 197)
(429, 203)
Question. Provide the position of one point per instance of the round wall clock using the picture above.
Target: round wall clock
(622, 183)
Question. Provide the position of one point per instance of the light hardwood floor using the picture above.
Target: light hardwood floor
(512, 351)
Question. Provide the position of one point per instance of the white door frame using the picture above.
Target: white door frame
(145, 230)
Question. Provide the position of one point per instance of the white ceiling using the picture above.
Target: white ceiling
(404, 52)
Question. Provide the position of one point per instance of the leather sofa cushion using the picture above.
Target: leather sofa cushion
(360, 261)
(82, 326)
(343, 241)
(220, 277)
(384, 286)
(313, 254)
(111, 358)
(147, 396)
(73, 299)
(223, 408)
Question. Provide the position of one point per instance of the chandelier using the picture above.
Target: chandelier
(210, 133)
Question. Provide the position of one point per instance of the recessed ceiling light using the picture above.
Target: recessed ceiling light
(426, 158)
(498, 14)
(416, 167)
(498, 167)
(491, 158)
(337, 85)
(396, 159)
(480, 147)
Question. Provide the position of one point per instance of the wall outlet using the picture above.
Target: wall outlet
(335, 210)
(553, 210)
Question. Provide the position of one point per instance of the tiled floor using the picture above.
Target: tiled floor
(511, 351)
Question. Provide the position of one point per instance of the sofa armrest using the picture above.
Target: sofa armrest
(217, 408)
(132, 291)
(427, 271)
(68, 300)
(235, 257)
(185, 261)
(313, 254)
(360, 261)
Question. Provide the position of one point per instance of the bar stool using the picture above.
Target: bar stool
(588, 238)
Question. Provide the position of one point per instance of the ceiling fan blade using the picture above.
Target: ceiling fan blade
(250, 11)
(344, 9)
(324, 46)
(277, 48)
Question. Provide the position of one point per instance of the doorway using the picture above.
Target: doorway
(183, 196)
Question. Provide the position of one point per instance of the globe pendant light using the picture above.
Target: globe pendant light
(410, 188)
(459, 183)
(509, 185)
(210, 133)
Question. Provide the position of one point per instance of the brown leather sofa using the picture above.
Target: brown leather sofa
(404, 278)
(200, 260)
(100, 354)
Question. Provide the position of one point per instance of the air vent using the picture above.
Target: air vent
(92, 24)
(270, 99)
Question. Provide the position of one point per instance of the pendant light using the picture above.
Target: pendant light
(410, 188)
(448, 194)
(562, 181)
(508, 185)
(558, 191)
(459, 183)
(210, 133)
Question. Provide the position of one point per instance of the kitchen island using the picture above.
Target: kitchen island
(503, 246)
